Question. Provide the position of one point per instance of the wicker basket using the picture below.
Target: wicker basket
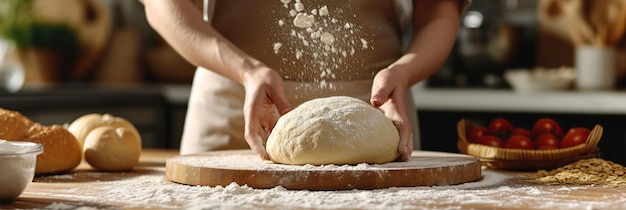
(526, 160)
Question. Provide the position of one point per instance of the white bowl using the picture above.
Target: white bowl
(538, 80)
(17, 167)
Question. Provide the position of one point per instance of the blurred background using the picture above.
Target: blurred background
(89, 41)
(110, 42)
(512, 58)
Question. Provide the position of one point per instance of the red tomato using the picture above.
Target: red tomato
(520, 131)
(573, 139)
(476, 133)
(519, 142)
(547, 139)
(500, 127)
(546, 125)
(547, 147)
(578, 129)
(491, 140)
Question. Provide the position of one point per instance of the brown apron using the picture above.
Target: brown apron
(214, 118)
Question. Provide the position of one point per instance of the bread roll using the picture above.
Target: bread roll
(61, 151)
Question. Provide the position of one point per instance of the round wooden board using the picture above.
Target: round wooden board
(221, 168)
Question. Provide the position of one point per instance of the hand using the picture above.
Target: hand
(389, 95)
(265, 102)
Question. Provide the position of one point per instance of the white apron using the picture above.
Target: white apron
(214, 119)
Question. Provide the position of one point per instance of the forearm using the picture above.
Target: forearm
(435, 28)
(180, 23)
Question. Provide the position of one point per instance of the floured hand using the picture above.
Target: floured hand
(265, 101)
(389, 95)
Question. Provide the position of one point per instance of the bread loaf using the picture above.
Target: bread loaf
(61, 152)
(13, 125)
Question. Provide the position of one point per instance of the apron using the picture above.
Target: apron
(214, 118)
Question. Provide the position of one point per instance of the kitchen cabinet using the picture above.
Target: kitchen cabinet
(144, 106)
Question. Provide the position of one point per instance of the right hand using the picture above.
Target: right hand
(265, 102)
(389, 95)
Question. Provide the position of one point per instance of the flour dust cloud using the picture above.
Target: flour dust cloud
(323, 36)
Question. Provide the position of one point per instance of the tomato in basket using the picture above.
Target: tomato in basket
(520, 151)
(476, 133)
(546, 134)
(547, 139)
(574, 138)
(491, 140)
(546, 125)
(578, 129)
(520, 131)
(519, 142)
(500, 127)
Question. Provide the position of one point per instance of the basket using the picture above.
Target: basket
(527, 160)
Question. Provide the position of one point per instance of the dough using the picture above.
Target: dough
(333, 130)
(112, 149)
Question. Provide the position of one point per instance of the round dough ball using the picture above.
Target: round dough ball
(333, 130)
(112, 149)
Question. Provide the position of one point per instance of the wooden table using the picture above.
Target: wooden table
(151, 162)
(498, 190)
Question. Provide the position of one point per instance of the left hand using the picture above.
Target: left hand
(389, 95)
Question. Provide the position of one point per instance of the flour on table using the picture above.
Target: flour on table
(252, 162)
(154, 191)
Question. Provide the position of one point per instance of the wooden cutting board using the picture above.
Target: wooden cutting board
(221, 168)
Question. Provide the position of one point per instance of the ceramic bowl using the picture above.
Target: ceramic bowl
(540, 79)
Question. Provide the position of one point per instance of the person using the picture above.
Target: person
(254, 65)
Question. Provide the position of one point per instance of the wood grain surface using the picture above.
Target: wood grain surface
(220, 168)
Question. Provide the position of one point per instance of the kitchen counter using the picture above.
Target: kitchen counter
(146, 188)
(501, 100)
(490, 100)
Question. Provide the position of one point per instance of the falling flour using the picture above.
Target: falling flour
(316, 33)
